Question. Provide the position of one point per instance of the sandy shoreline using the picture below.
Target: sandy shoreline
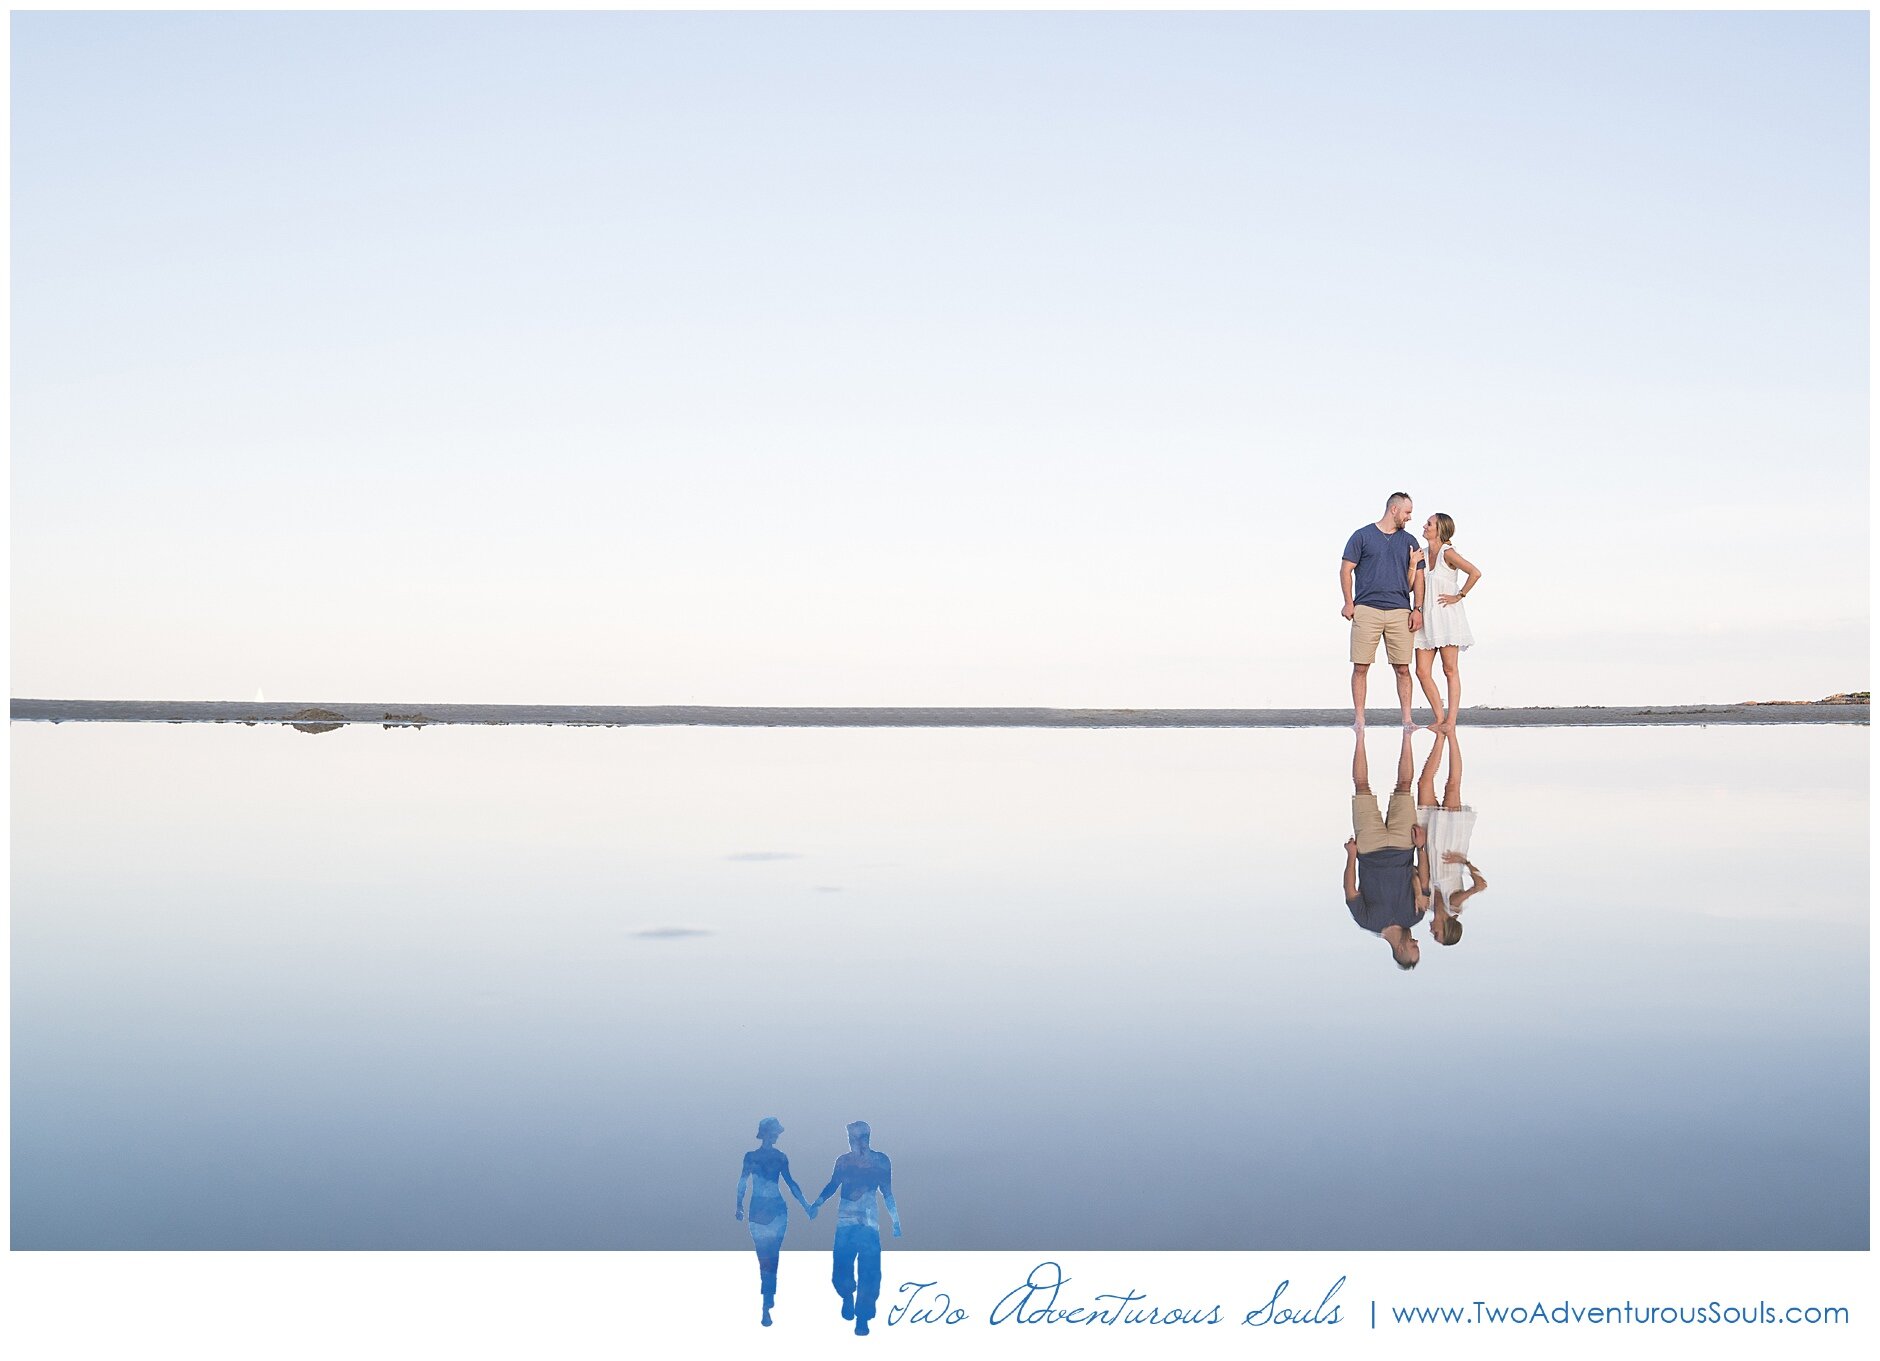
(322, 717)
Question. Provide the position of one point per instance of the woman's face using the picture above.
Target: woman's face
(1429, 528)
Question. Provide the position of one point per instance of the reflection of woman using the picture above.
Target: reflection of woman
(1445, 627)
(1446, 830)
(770, 1213)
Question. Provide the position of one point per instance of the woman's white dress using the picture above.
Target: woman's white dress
(1443, 625)
(1446, 829)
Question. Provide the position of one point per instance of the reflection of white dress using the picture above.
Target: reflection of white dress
(1443, 625)
(1446, 829)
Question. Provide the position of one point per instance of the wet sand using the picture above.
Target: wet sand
(325, 717)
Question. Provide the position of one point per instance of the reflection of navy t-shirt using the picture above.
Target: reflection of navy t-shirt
(1386, 891)
(1382, 580)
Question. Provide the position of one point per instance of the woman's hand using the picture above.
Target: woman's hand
(1449, 599)
(1454, 858)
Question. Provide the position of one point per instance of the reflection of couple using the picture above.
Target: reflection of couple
(858, 1175)
(1408, 858)
(1388, 581)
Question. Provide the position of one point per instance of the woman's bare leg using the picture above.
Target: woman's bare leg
(1452, 678)
(1426, 659)
(1452, 789)
(1426, 781)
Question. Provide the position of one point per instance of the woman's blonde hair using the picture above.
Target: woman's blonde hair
(1445, 526)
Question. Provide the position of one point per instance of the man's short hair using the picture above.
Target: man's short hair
(1395, 497)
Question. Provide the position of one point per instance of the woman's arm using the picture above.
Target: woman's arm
(790, 1182)
(1473, 572)
(1478, 883)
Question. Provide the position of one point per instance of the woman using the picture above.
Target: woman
(1445, 626)
(770, 1213)
(1447, 828)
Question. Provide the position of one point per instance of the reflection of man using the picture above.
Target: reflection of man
(1375, 577)
(860, 1173)
(1386, 882)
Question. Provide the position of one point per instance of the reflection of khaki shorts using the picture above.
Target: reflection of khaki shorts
(1368, 624)
(1392, 832)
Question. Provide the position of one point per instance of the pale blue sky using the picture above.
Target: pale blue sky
(931, 358)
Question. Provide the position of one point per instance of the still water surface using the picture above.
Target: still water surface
(534, 987)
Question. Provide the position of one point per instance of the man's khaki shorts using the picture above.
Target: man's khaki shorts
(1393, 626)
(1395, 831)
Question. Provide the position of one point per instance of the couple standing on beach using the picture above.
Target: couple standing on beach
(1387, 578)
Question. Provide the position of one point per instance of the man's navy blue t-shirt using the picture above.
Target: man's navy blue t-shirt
(1386, 891)
(1382, 580)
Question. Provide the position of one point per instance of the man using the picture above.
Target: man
(1387, 883)
(1375, 577)
(860, 1173)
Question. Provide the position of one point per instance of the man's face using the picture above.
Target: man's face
(1403, 513)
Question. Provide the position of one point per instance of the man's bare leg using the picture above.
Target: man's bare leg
(1360, 767)
(1359, 676)
(1405, 770)
(1403, 688)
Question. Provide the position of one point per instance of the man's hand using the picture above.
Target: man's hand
(1417, 835)
(1351, 845)
(1348, 611)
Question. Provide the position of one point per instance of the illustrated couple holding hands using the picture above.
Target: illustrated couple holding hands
(1410, 596)
(859, 1174)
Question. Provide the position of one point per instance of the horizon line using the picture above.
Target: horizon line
(326, 716)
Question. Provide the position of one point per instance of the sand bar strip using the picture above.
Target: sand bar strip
(673, 715)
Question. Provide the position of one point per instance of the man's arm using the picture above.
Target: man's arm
(887, 1194)
(1351, 871)
(1345, 570)
(835, 1180)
